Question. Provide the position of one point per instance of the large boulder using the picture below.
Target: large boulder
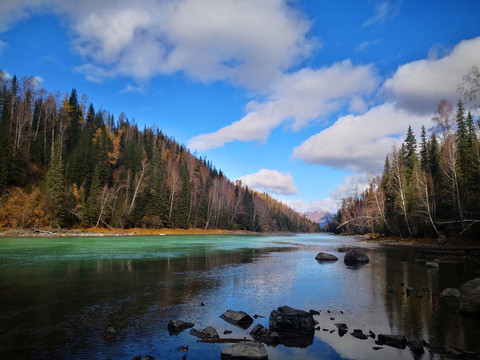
(294, 327)
(470, 297)
(245, 351)
(321, 256)
(238, 318)
(356, 257)
(175, 327)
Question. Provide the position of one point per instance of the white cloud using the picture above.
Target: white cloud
(302, 206)
(353, 185)
(248, 42)
(360, 142)
(419, 86)
(129, 88)
(301, 98)
(381, 11)
(271, 181)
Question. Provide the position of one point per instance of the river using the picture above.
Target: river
(112, 297)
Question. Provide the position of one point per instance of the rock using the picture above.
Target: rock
(245, 351)
(442, 239)
(238, 318)
(227, 332)
(175, 327)
(450, 293)
(371, 334)
(356, 257)
(321, 256)
(415, 346)
(295, 327)
(432, 265)
(146, 357)
(358, 333)
(470, 297)
(314, 312)
(409, 291)
(377, 348)
(207, 333)
(183, 348)
(264, 335)
(398, 341)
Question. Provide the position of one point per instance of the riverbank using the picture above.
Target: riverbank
(450, 244)
(99, 232)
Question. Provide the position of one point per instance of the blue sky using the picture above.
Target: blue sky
(302, 99)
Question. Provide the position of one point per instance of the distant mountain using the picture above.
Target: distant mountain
(321, 217)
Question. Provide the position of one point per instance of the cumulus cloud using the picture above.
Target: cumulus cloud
(419, 86)
(360, 142)
(298, 98)
(247, 42)
(271, 181)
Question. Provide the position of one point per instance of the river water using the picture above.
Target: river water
(112, 298)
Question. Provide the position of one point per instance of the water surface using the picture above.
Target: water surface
(100, 298)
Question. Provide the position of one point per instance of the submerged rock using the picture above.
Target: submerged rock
(356, 257)
(470, 297)
(398, 341)
(358, 333)
(261, 333)
(450, 293)
(238, 318)
(207, 333)
(245, 351)
(175, 327)
(321, 256)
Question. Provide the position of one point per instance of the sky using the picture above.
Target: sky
(302, 99)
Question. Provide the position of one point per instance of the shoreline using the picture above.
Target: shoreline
(102, 232)
(420, 243)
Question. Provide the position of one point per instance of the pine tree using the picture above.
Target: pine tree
(55, 187)
(424, 156)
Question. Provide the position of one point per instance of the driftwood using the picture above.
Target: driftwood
(224, 340)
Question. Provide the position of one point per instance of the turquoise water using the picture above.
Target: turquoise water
(112, 297)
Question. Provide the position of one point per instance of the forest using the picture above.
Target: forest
(429, 187)
(65, 165)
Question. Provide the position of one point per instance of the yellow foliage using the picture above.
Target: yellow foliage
(19, 208)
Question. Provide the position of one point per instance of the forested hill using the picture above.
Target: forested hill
(65, 165)
(428, 187)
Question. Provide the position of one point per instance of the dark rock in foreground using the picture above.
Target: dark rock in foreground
(470, 297)
(175, 327)
(238, 318)
(356, 257)
(264, 335)
(207, 333)
(321, 256)
(295, 327)
(398, 341)
(245, 351)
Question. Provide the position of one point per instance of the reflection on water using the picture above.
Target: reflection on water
(112, 298)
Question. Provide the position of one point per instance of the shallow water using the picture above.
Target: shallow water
(99, 298)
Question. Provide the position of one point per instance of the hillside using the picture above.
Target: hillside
(65, 165)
